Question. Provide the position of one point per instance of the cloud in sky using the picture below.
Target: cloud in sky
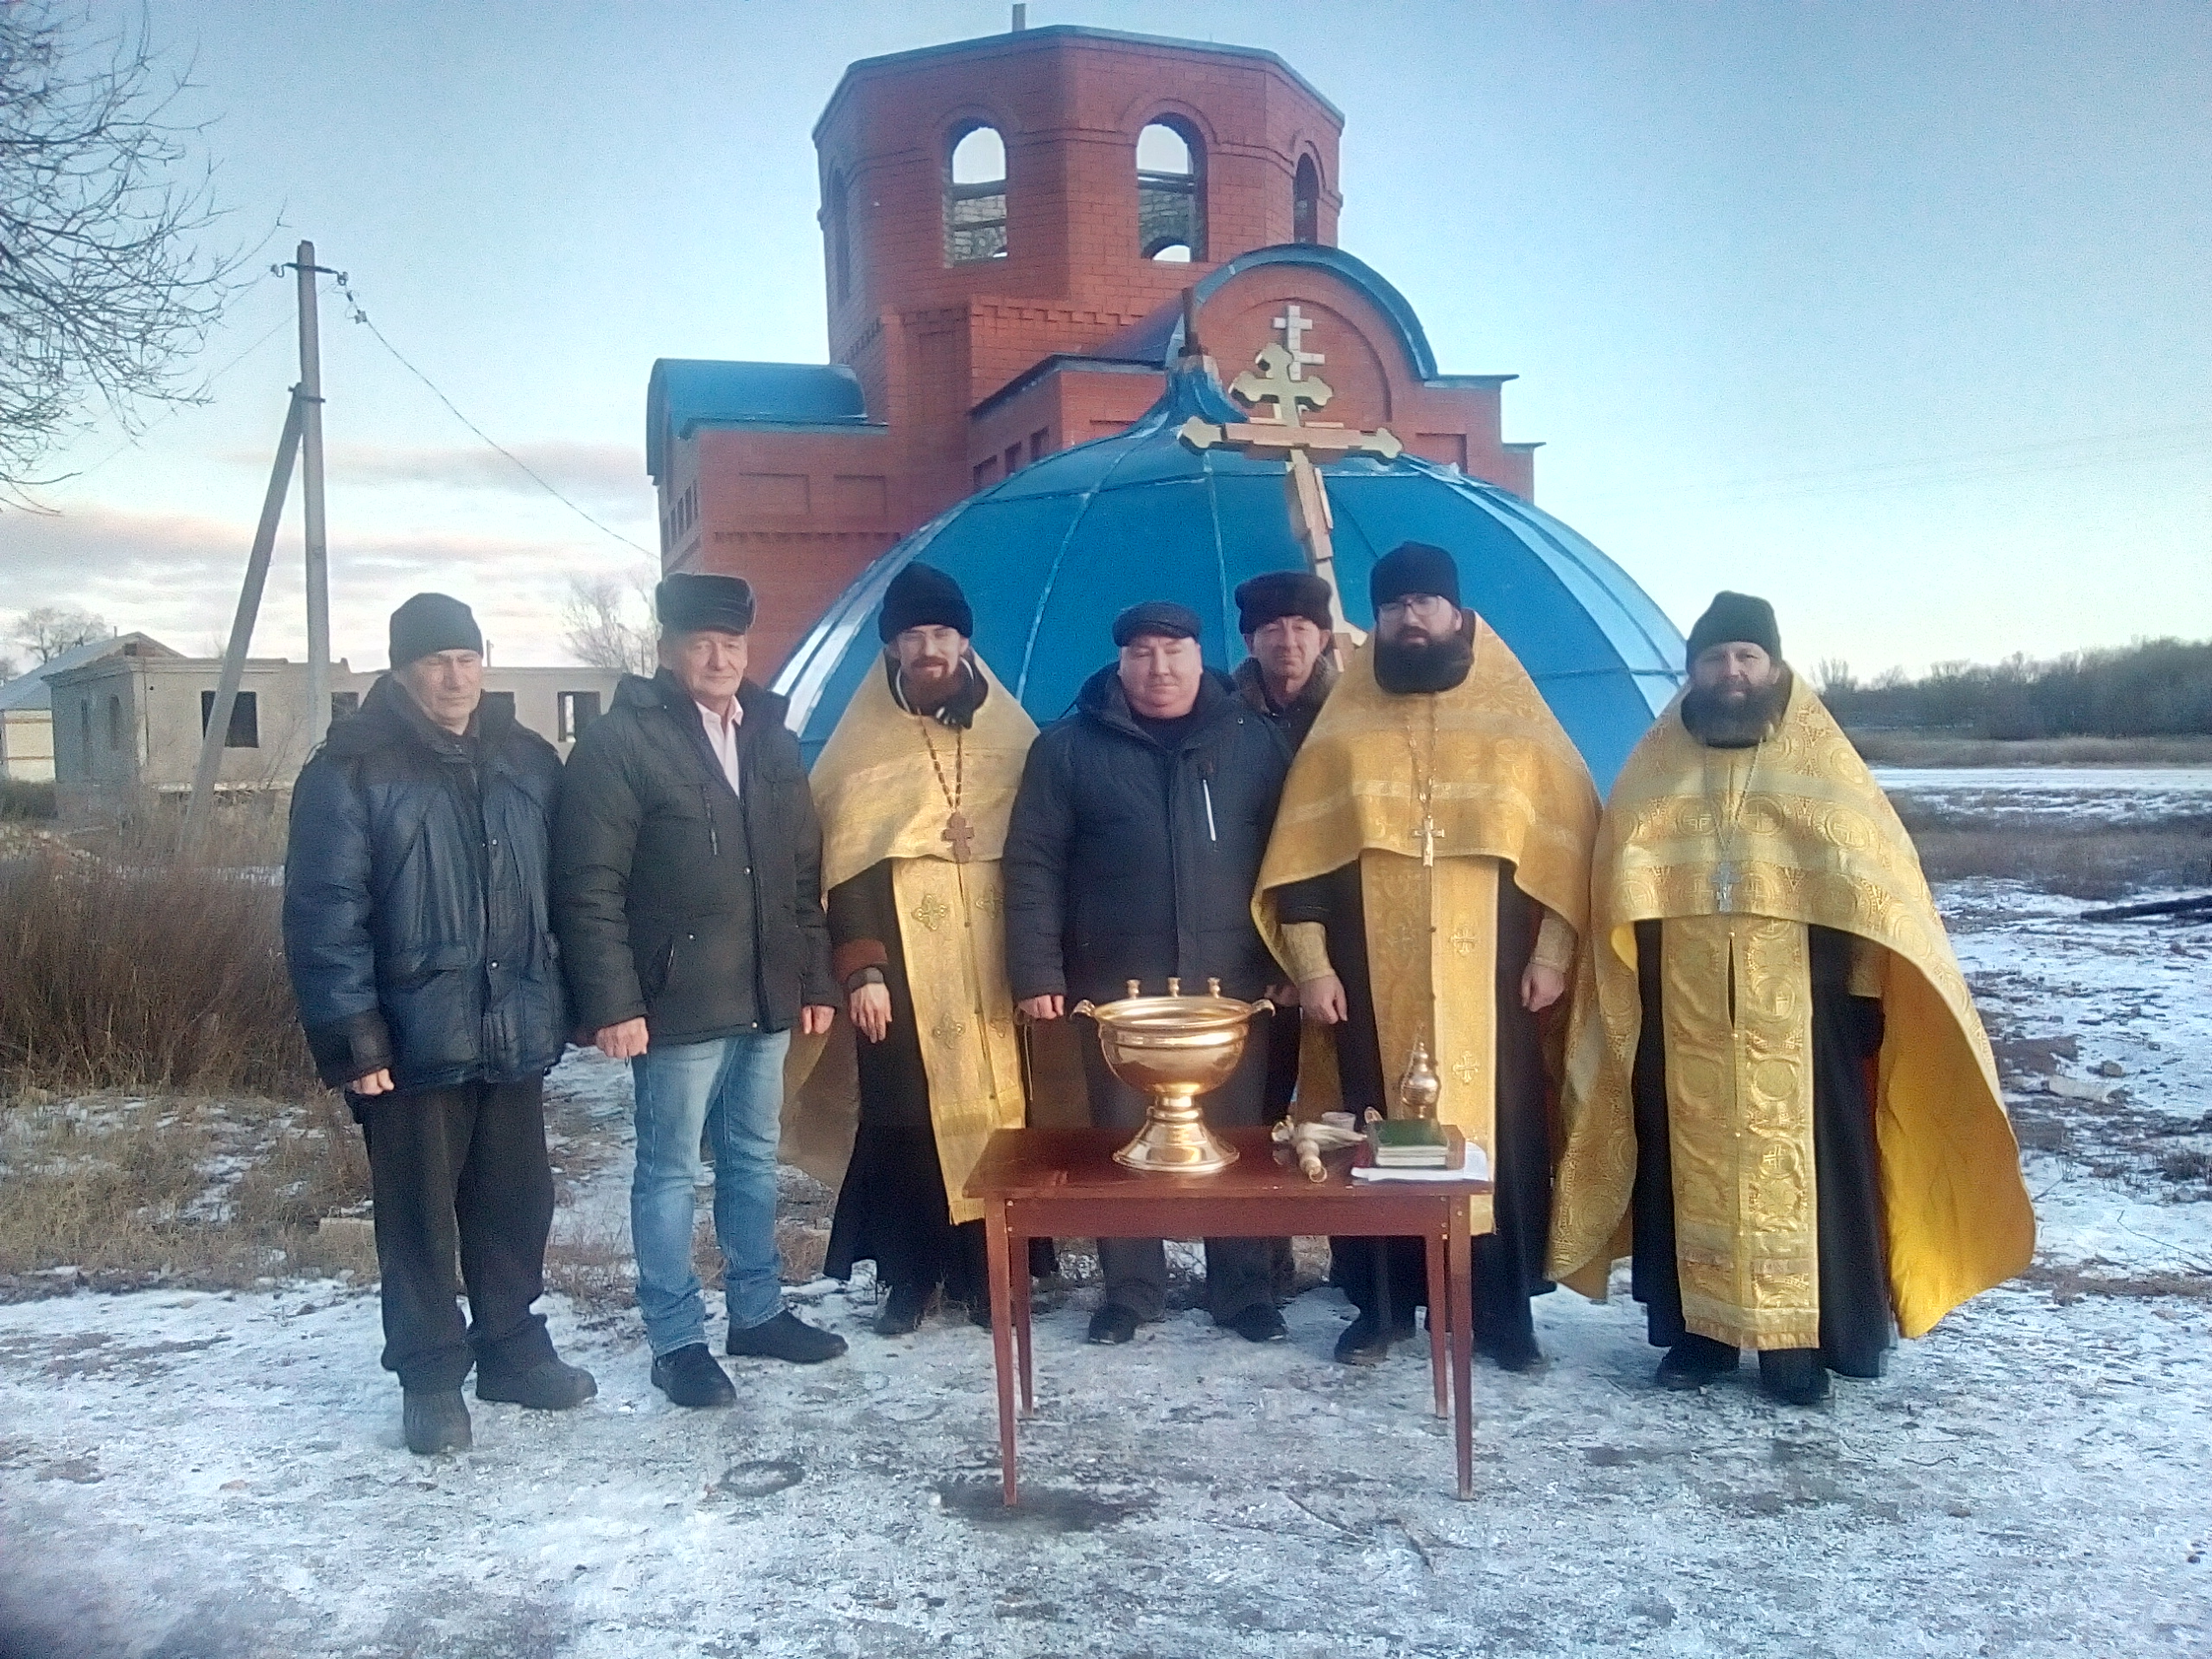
(176, 576)
(609, 477)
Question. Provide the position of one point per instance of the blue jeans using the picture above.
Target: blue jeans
(732, 1087)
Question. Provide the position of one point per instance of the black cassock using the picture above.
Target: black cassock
(1508, 1264)
(1857, 1330)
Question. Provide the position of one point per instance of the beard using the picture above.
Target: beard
(1722, 720)
(1419, 663)
(927, 685)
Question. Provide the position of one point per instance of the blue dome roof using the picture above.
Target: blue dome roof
(1049, 555)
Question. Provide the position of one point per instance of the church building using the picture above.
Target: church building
(1008, 224)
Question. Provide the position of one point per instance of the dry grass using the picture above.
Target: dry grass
(2088, 862)
(145, 977)
(187, 1190)
(2068, 1285)
(1924, 749)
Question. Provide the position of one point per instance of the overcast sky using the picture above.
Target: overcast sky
(1896, 313)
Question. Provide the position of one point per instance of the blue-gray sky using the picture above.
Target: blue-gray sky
(1896, 313)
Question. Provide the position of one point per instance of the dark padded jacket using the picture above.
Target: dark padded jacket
(1128, 860)
(416, 924)
(676, 899)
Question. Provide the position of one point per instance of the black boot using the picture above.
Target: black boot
(1695, 1361)
(690, 1377)
(786, 1337)
(435, 1419)
(1259, 1323)
(901, 1312)
(1110, 1325)
(1794, 1375)
(1364, 1342)
(547, 1386)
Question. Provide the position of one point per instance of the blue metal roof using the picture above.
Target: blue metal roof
(687, 393)
(1050, 555)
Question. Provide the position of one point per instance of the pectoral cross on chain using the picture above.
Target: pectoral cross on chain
(1724, 886)
(1427, 842)
(960, 835)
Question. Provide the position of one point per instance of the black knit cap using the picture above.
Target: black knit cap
(686, 603)
(1274, 594)
(921, 595)
(1413, 568)
(1159, 616)
(1733, 616)
(432, 622)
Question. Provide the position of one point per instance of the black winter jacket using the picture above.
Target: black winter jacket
(675, 900)
(417, 924)
(1126, 859)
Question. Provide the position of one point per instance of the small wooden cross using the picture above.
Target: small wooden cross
(960, 835)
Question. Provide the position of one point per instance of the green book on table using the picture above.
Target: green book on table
(1408, 1143)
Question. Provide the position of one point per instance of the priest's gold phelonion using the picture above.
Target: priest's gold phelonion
(1174, 1048)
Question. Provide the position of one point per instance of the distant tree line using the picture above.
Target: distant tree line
(2154, 688)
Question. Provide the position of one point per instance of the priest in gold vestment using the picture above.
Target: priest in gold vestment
(913, 789)
(1426, 882)
(1779, 1101)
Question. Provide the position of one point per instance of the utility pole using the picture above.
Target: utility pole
(302, 440)
(318, 549)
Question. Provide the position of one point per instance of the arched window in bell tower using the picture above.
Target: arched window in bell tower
(975, 197)
(836, 236)
(1171, 194)
(1306, 202)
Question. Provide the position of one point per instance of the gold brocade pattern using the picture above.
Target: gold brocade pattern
(1505, 786)
(1506, 782)
(878, 798)
(1739, 1107)
(1424, 988)
(1815, 842)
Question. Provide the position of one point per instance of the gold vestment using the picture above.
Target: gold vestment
(880, 797)
(1505, 784)
(1737, 852)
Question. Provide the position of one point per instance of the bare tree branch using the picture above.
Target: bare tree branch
(50, 629)
(106, 288)
(608, 624)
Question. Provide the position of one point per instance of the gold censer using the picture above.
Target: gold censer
(1174, 1048)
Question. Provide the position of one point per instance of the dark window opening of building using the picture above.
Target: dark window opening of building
(974, 198)
(115, 722)
(344, 705)
(1171, 194)
(1306, 202)
(984, 472)
(575, 711)
(835, 231)
(1013, 458)
(244, 732)
(1040, 441)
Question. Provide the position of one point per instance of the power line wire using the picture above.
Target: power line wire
(361, 316)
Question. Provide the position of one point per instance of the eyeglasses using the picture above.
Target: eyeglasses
(1414, 602)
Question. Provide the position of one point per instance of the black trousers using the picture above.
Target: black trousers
(460, 1170)
(1239, 1272)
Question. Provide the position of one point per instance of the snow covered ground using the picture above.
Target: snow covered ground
(220, 1475)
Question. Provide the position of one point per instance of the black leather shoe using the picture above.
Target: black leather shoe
(435, 1419)
(690, 1377)
(901, 1312)
(1794, 1375)
(1695, 1361)
(1260, 1323)
(1364, 1342)
(786, 1338)
(1111, 1324)
(547, 1386)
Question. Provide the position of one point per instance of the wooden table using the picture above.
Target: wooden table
(1065, 1183)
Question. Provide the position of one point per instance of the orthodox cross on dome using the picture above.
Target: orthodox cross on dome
(1274, 381)
(1294, 327)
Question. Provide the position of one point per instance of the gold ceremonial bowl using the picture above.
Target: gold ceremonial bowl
(1174, 1048)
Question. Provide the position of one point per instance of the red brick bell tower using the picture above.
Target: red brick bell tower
(1007, 226)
